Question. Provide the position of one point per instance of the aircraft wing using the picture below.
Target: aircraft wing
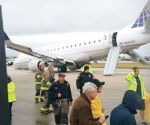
(18, 47)
(137, 57)
(55, 58)
(43, 56)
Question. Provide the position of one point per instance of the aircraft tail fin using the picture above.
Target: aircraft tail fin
(143, 19)
(147, 26)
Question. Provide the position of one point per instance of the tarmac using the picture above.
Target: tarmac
(27, 112)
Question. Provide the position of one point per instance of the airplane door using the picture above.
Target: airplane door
(107, 40)
(114, 39)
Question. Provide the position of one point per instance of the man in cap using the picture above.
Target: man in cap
(96, 105)
(84, 77)
(60, 97)
(38, 78)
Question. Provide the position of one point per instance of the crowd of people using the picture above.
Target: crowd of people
(87, 109)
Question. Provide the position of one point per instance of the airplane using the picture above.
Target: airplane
(74, 55)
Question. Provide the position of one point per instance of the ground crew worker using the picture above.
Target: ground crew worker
(84, 77)
(47, 81)
(38, 78)
(11, 95)
(136, 83)
(90, 68)
(60, 97)
(96, 105)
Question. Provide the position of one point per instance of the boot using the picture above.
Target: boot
(36, 101)
(50, 110)
(44, 112)
(41, 100)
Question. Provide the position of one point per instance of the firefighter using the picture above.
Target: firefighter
(47, 81)
(38, 78)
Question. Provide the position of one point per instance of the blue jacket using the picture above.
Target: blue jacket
(123, 114)
(56, 88)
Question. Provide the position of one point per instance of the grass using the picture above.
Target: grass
(123, 65)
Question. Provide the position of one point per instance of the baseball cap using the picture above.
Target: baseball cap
(61, 75)
(97, 82)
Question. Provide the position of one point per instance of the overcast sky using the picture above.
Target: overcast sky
(25, 21)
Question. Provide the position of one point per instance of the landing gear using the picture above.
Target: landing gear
(62, 68)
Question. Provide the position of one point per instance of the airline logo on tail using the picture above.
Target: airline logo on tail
(141, 21)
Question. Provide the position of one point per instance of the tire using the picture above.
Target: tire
(59, 69)
(62, 68)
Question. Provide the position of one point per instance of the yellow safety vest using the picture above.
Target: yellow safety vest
(90, 69)
(132, 84)
(11, 92)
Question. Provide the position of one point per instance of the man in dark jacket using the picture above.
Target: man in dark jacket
(60, 97)
(84, 77)
(124, 113)
(81, 113)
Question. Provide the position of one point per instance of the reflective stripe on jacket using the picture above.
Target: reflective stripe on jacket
(46, 80)
(38, 76)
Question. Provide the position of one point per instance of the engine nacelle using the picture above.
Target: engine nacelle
(33, 65)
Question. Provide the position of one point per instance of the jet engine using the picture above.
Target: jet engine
(33, 65)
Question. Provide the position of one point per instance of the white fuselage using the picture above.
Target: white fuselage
(93, 49)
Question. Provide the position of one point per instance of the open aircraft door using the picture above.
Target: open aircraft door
(113, 54)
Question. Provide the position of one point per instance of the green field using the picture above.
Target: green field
(123, 65)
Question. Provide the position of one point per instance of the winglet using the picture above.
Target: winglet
(6, 37)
